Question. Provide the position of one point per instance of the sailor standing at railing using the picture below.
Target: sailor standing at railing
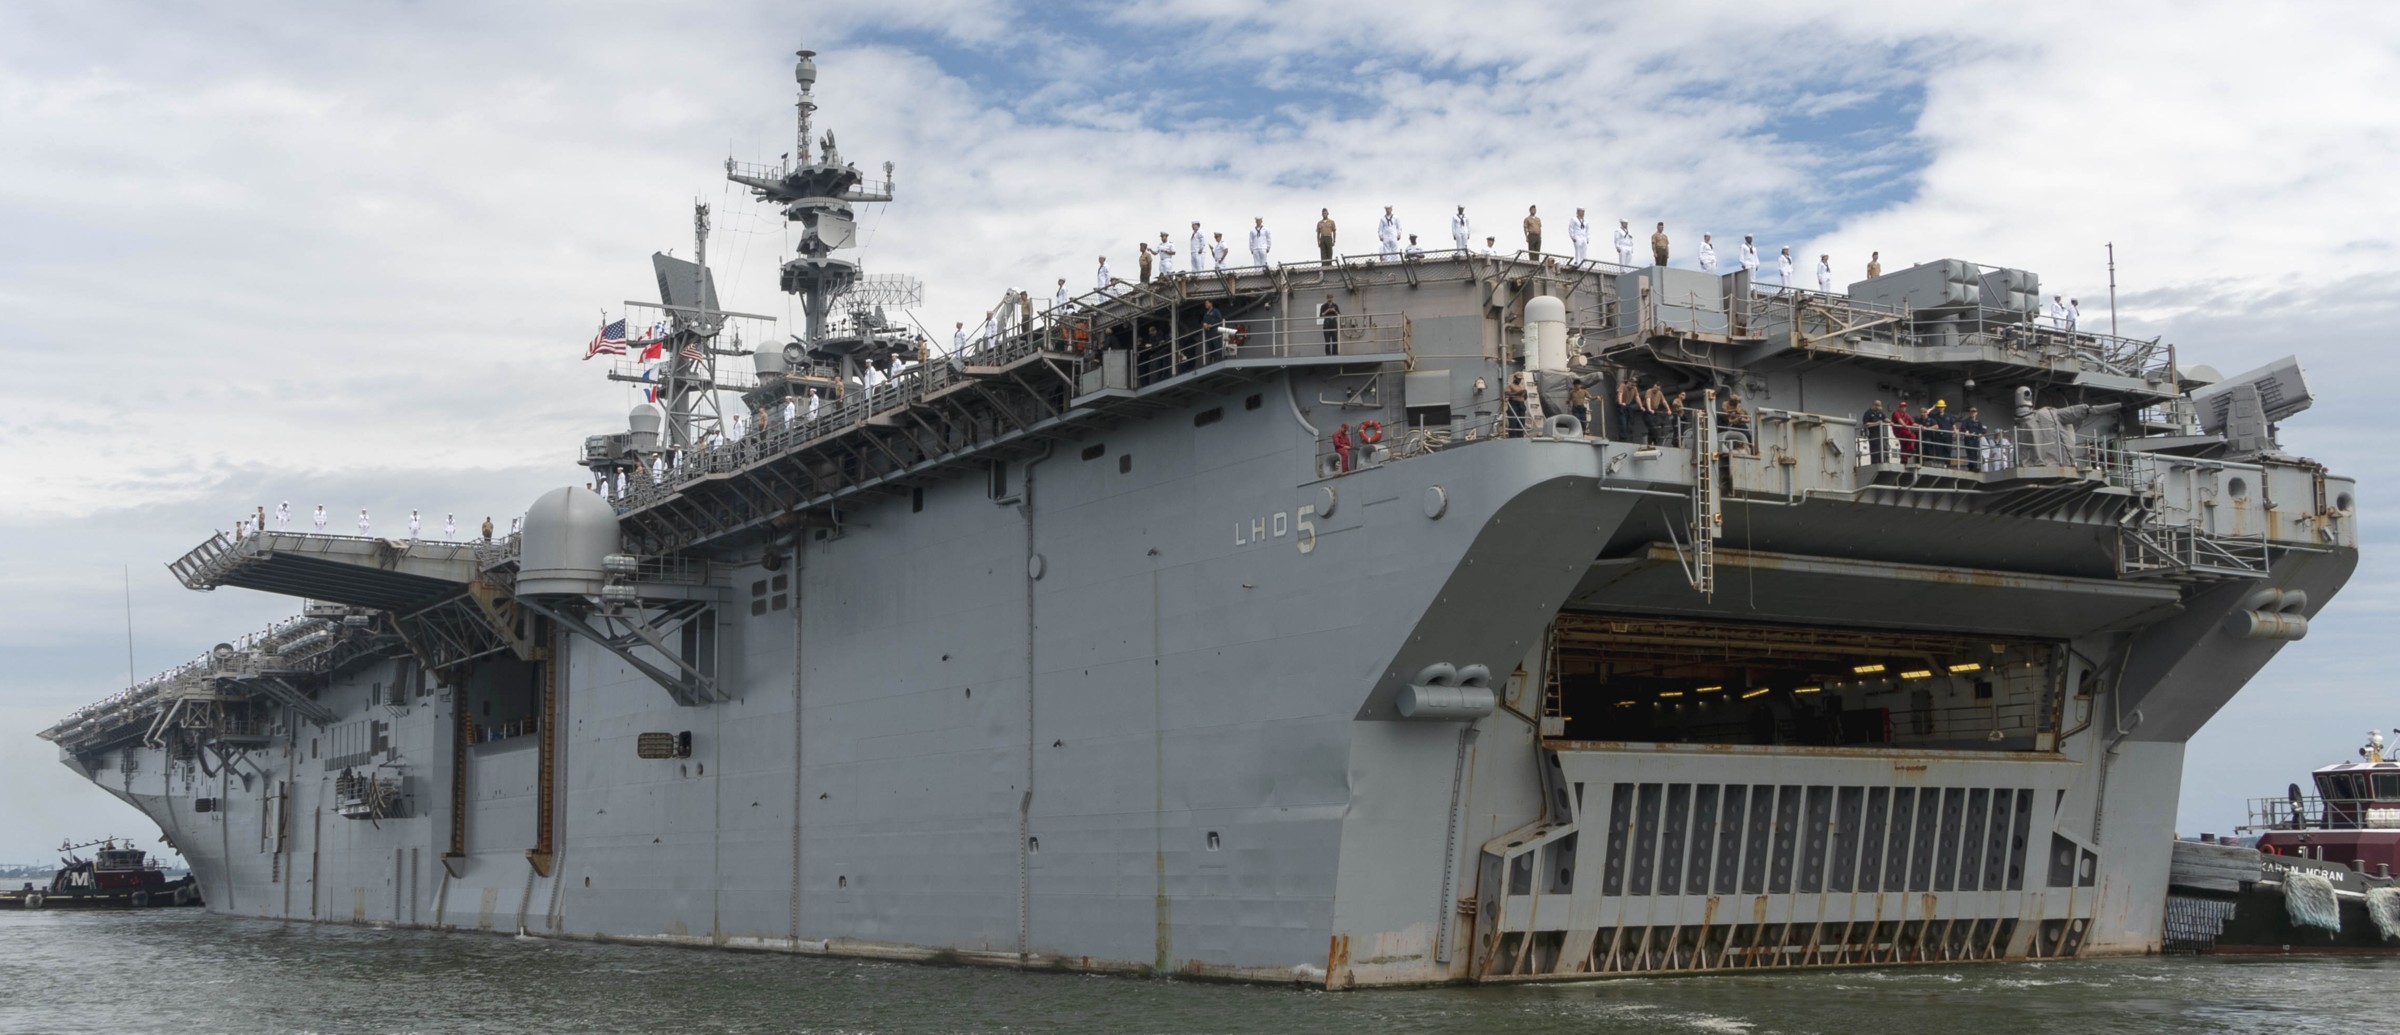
(1708, 253)
(362, 521)
(1749, 255)
(1216, 252)
(1262, 240)
(2058, 311)
(1783, 265)
(320, 519)
(1460, 230)
(449, 528)
(1579, 234)
(1165, 251)
(2074, 314)
(1325, 235)
(1387, 234)
(283, 516)
(1825, 272)
(415, 524)
(1199, 252)
(1101, 278)
(991, 328)
(1058, 299)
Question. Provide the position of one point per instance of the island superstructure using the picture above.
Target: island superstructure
(1085, 648)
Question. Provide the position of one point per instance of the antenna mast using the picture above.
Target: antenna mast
(819, 193)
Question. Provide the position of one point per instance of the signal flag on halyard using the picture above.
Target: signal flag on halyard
(651, 351)
(610, 340)
(650, 374)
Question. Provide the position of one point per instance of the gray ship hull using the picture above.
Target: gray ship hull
(1205, 778)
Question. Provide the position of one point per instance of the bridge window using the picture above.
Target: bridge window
(1095, 451)
(1208, 416)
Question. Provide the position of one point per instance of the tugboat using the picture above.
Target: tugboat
(2306, 873)
(115, 877)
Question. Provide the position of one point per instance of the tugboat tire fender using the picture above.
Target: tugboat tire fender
(32, 900)
(141, 899)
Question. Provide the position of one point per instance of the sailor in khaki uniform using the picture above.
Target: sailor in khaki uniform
(1533, 230)
(1324, 235)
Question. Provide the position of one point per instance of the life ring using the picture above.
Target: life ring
(2271, 849)
(1370, 431)
(32, 900)
(141, 900)
(1235, 336)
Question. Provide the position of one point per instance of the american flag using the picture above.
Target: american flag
(610, 341)
(691, 351)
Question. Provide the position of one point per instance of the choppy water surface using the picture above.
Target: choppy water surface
(188, 973)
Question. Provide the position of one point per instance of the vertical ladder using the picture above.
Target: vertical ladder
(1708, 505)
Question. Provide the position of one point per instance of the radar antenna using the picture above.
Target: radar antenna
(820, 193)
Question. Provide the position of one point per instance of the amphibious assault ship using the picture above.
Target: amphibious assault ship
(1085, 647)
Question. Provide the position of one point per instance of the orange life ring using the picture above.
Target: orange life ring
(1370, 431)
(2270, 849)
(1235, 336)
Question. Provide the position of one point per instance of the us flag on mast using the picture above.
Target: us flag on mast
(691, 351)
(610, 341)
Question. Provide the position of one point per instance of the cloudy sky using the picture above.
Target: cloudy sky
(349, 254)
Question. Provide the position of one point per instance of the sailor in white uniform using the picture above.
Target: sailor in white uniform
(1460, 230)
(516, 524)
(1387, 234)
(1102, 279)
(1414, 251)
(1579, 233)
(1825, 272)
(449, 528)
(1199, 252)
(1624, 242)
(1262, 241)
(362, 521)
(1216, 252)
(283, 516)
(415, 525)
(2074, 313)
(1783, 265)
(1749, 255)
(1708, 254)
(991, 328)
(320, 519)
(791, 411)
(1165, 253)
(1491, 246)
(2058, 311)
(958, 337)
(1058, 299)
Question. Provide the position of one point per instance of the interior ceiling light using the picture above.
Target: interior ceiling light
(1670, 693)
(1806, 689)
(1919, 673)
(1867, 670)
(1754, 693)
(1706, 689)
(1968, 667)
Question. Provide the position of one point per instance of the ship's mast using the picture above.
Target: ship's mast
(817, 192)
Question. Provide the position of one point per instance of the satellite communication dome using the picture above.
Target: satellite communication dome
(568, 532)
